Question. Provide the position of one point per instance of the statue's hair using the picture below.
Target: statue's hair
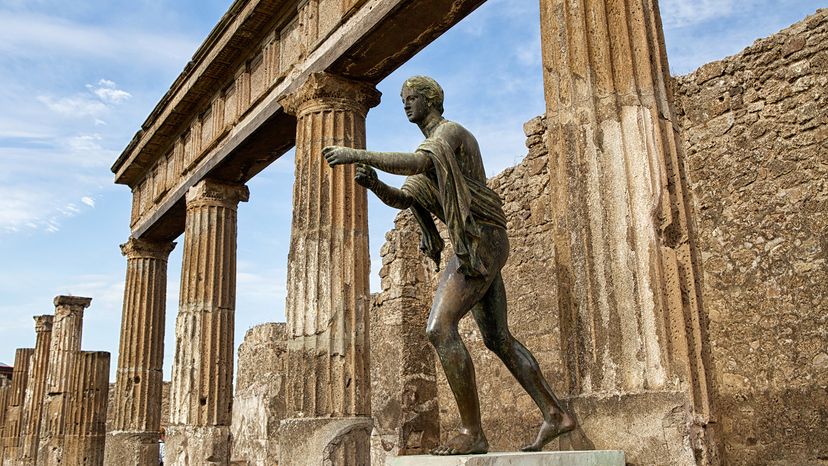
(428, 88)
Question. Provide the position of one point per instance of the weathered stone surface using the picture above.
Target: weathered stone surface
(197, 445)
(137, 398)
(761, 203)
(67, 331)
(403, 379)
(259, 400)
(326, 441)
(12, 442)
(36, 389)
(328, 265)
(143, 447)
(85, 429)
(626, 262)
(5, 392)
(566, 458)
(202, 380)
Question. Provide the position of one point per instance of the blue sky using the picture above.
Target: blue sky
(78, 78)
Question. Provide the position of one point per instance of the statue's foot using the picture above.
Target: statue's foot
(463, 444)
(550, 430)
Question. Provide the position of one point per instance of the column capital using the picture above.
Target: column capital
(43, 323)
(323, 91)
(136, 248)
(216, 192)
(72, 301)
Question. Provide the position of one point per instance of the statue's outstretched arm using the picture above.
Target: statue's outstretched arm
(392, 197)
(398, 163)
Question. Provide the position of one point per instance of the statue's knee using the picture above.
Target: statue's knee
(440, 335)
(498, 344)
(435, 336)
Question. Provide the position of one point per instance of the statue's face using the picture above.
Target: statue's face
(415, 105)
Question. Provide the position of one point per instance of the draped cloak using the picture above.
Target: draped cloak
(459, 201)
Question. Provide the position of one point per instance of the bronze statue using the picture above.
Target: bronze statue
(446, 178)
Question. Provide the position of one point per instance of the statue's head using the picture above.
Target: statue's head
(427, 88)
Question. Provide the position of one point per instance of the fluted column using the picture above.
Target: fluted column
(328, 263)
(67, 331)
(5, 393)
(14, 412)
(631, 310)
(202, 379)
(137, 401)
(86, 412)
(36, 389)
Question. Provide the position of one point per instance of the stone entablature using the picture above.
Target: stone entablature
(259, 53)
(298, 29)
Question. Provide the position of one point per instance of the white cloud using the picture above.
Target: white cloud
(680, 13)
(107, 91)
(39, 186)
(26, 34)
(74, 106)
(93, 104)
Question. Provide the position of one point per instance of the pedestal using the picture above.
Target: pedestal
(545, 458)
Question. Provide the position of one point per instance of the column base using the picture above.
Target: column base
(546, 458)
(131, 447)
(197, 445)
(656, 427)
(343, 441)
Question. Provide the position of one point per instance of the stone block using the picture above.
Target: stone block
(315, 441)
(202, 445)
(546, 458)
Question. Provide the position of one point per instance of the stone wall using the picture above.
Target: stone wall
(403, 383)
(259, 400)
(755, 132)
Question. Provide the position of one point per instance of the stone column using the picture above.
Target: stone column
(14, 411)
(86, 412)
(67, 330)
(5, 392)
(202, 380)
(36, 388)
(136, 422)
(328, 391)
(627, 268)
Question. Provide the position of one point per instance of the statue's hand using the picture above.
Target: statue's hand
(338, 155)
(366, 176)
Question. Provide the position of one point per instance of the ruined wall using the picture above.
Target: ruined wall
(755, 132)
(403, 379)
(259, 400)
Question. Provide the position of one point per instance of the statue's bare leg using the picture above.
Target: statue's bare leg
(492, 320)
(454, 298)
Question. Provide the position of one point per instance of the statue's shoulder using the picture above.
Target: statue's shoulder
(452, 130)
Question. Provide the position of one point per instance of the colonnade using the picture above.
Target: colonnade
(54, 410)
(327, 303)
